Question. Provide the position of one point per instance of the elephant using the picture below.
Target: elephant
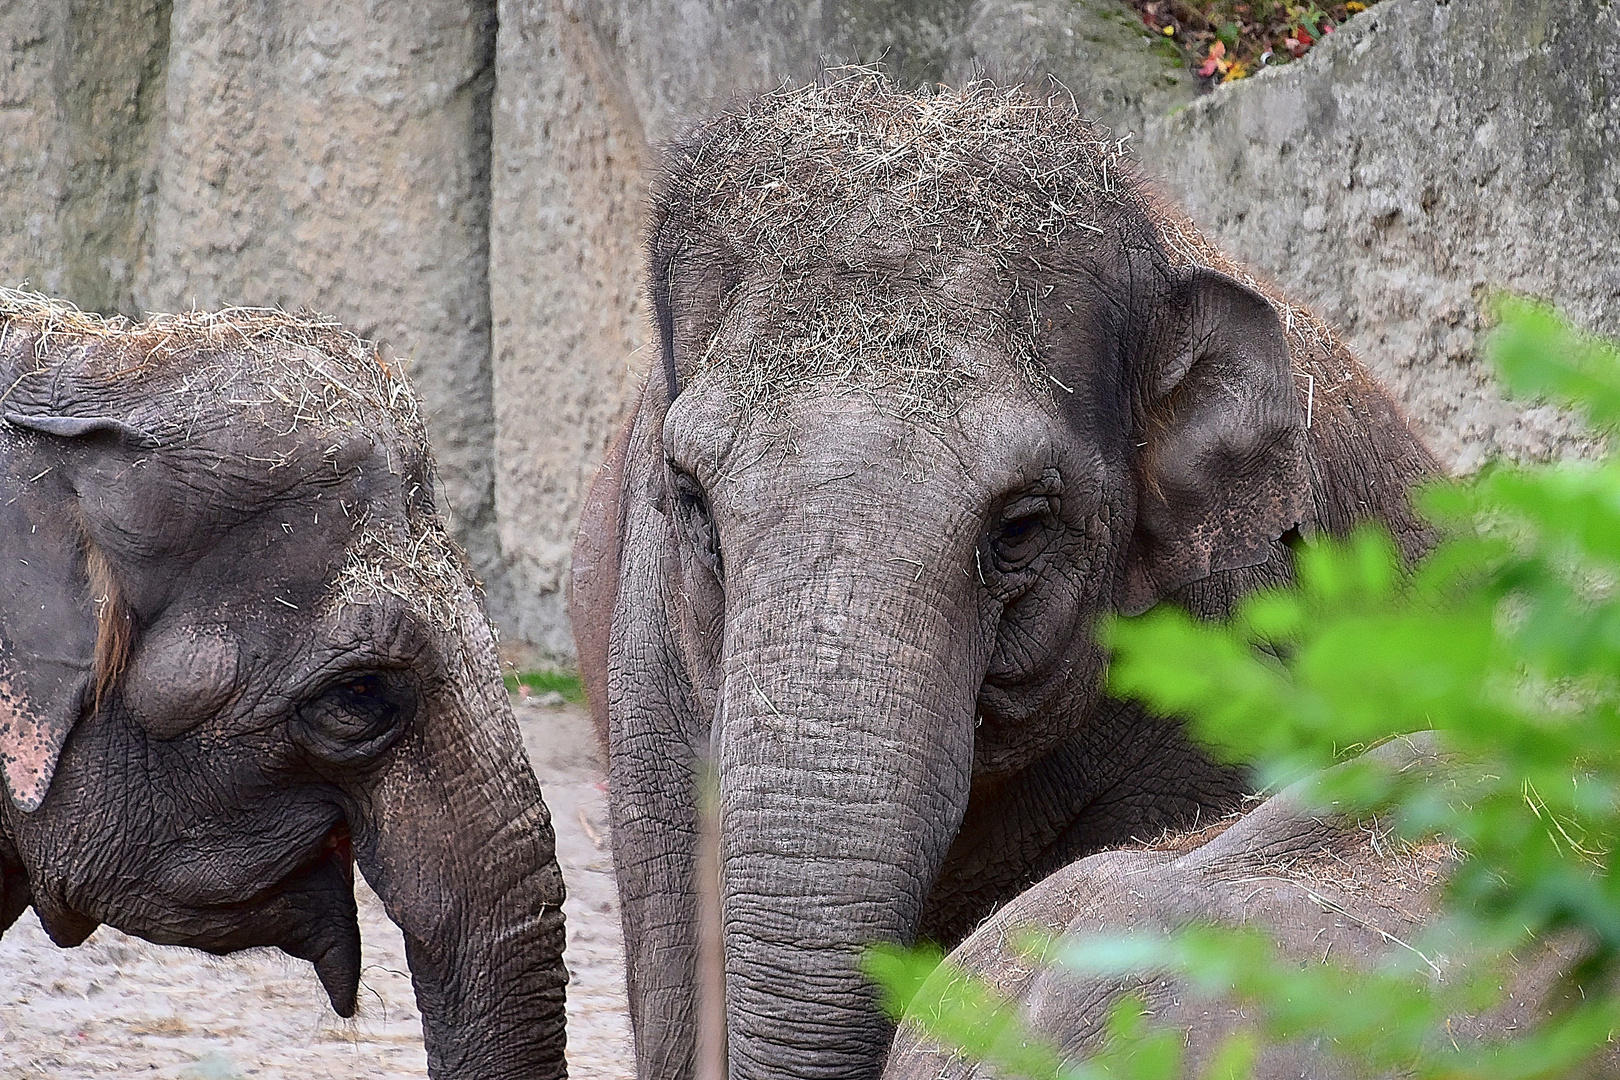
(940, 384)
(1320, 883)
(240, 654)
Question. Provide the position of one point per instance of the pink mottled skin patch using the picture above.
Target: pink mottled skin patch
(28, 750)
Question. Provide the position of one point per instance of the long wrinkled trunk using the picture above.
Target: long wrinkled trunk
(845, 751)
(459, 846)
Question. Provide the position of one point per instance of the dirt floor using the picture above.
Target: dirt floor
(117, 1006)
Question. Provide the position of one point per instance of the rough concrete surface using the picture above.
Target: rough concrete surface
(1420, 159)
(117, 1006)
(1098, 50)
(569, 156)
(81, 90)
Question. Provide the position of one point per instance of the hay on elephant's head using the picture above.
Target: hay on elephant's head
(295, 375)
(283, 369)
(848, 200)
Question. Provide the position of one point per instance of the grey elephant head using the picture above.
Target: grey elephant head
(941, 387)
(240, 653)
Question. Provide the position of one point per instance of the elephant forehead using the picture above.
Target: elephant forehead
(850, 208)
(177, 378)
(842, 447)
(918, 346)
(412, 564)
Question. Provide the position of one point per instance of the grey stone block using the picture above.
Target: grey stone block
(81, 94)
(1118, 72)
(565, 291)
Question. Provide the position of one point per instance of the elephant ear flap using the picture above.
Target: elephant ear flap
(61, 624)
(82, 426)
(1221, 463)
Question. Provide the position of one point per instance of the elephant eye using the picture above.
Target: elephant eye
(695, 522)
(1022, 532)
(355, 719)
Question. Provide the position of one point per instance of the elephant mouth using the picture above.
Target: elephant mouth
(338, 848)
(310, 914)
(331, 926)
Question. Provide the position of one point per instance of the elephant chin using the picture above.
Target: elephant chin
(310, 914)
(330, 923)
(338, 968)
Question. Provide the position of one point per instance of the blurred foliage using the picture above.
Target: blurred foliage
(565, 683)
(1505, 641)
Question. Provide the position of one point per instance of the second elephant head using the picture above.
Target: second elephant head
(239, 654)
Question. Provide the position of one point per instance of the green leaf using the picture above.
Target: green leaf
(1541, 355)
(1234, 1058)
(960, 1011)
(565, 683)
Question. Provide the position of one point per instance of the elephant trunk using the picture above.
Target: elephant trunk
(845, 756)
(458, 844)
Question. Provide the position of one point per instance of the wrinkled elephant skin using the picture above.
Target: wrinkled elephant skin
(239, 655)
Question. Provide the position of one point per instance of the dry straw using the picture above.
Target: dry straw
(849, 201)
(288, 373)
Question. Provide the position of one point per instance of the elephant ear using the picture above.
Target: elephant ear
(1221, 467)
(64, 628)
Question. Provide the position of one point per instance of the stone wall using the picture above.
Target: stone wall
(465, 180)
(570, 152)
(336, 156)
(1420, 159)
(81, 96)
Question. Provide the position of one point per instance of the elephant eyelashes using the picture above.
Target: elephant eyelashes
(355, 720)
(695, 522)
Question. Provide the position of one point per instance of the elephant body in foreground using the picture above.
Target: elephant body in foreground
(239, 654)
(940, 386)
(1321, 885)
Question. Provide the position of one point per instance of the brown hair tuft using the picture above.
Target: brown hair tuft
(115, 623)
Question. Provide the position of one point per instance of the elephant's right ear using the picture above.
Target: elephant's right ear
(65, 629)
(1220, 464)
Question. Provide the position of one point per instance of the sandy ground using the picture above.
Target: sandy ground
(117, 1006)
